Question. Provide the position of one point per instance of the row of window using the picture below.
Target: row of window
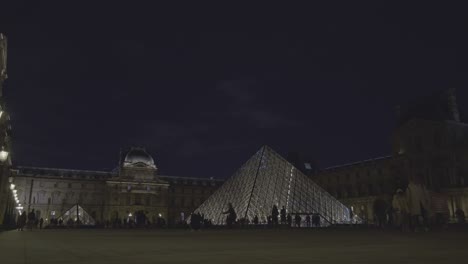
(359, 190)
(192, 190)
(68, 185)
(182, 202)
(342, 178)
(65, 174)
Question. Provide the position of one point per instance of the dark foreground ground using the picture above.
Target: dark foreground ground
(232, 246)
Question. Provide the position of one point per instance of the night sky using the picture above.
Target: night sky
(203, 87)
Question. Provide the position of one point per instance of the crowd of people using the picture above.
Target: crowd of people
(29, 221)
(415, 209)
(276, 219)
(412, 209)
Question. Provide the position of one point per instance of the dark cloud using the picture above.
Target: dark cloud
(246, 104)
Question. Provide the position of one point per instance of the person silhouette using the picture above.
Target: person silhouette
(255, 220)
(283, 215)
(274, 215)
(297, 220)
(231, 215)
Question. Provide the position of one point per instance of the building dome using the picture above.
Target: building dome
(138, 157)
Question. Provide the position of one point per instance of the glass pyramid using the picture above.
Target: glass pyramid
(75, 214)
(265, 180)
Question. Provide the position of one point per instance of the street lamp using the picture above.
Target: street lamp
(12, 186)
(3, 155)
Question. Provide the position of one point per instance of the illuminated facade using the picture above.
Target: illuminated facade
(134, 188)
(7, 203)
(430, 142)
(265, 180)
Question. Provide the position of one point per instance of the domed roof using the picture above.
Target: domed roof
(138, 157)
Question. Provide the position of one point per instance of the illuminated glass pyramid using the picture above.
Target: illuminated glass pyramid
(77, 213)
(265, 180)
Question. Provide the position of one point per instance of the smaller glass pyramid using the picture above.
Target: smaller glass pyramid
(266, 180)
(77, 215)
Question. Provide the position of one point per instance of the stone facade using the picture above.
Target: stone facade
(6, 198)
(120, 194)
(430, 142)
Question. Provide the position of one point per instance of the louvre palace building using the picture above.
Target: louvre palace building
(429, 143)
(96, 196)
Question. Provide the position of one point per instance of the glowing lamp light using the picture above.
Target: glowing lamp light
(15, 191)
(130, 215)
(3, 155)
(160, 215)
(12, 186)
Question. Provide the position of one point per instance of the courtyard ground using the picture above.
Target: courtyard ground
(232, 246)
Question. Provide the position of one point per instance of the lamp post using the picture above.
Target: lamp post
(3, 155)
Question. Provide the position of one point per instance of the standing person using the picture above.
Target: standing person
(255, 220)
(440, 209)
(419, 204)
(308, 220)
(274, 214)
(283, 215)
(231, 215)
(289, 219)
(460, 216)
(195, 221)
(401, 210)
(31, 219)
(316, 220)
(390, 216)
(22, 221)
(380, 212)
(41, 222)
(297, 220)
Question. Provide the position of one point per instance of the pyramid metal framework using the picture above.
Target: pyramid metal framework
(265, 180)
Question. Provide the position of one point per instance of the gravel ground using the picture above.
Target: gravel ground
(232, 246)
